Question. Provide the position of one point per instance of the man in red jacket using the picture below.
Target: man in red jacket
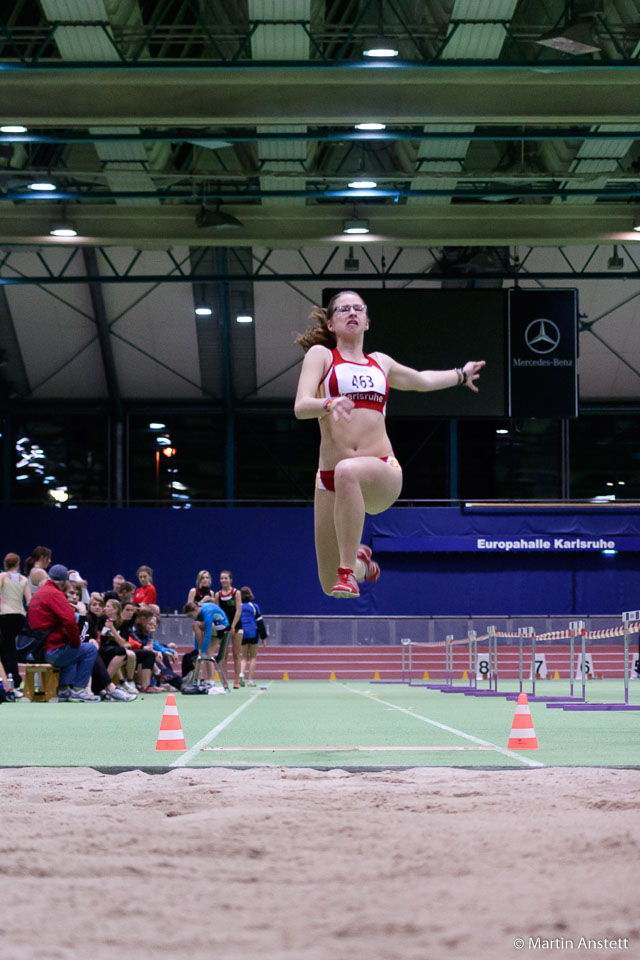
(51, 612)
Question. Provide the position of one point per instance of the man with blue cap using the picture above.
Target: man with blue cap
(51, 612)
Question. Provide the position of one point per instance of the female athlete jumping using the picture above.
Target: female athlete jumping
(346, 390)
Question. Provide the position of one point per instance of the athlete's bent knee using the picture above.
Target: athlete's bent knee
(345, 472)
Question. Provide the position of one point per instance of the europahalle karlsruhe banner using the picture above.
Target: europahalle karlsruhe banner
(494, 543)
(542, 353)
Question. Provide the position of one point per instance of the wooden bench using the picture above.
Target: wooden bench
(47, 682)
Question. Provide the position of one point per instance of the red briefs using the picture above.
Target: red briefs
(325, 481)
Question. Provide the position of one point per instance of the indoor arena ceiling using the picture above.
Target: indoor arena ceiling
(145, 114)
(186, 142)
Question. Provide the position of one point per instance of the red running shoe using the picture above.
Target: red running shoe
(347, 585)
(371, 568)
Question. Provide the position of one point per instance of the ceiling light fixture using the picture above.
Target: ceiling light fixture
(355, 226)
(371, 126)
(578, 34)
(216, 219)
(63, 228)
(42, 185)
(244, 318)
(13, 128)
(203, 311)
(362, 185)
(575, 38)
(380, 48)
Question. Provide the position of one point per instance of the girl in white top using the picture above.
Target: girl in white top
(358, 473)
(36, 567)
(14, 594)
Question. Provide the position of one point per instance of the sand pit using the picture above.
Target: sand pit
(312, 865)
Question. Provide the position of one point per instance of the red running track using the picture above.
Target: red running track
(362, 663)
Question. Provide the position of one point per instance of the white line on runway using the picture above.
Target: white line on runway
(183, 760)
(442, 726)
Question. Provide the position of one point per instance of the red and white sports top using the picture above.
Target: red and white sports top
(364, 383)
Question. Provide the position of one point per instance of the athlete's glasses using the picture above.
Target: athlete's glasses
(347, 307)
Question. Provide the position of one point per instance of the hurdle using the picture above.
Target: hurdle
(219, 667)
(491, 661)
(630, 625)
(405, 664)
(524, 633)
(449, 685)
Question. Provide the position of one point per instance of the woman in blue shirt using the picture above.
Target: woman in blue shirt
(253, 629)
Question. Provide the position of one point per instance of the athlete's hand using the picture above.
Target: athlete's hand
(472, 369)
(341, 408)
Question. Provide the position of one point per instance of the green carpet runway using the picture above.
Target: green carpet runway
(323, 724)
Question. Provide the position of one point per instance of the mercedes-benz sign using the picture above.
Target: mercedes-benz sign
(542, 336)
(543, 327)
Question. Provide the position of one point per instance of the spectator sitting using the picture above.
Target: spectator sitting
(126, 592)
(50, 612)
(117, 582)
(146, 592)
(119, 659)
(151, 608)
(114, 647)
(101, 679)
(35, 568)
(142, 643)
(168, 651)
(129, 613)
(166, 658)
(125, 629)
(76, 578)
(95, 609)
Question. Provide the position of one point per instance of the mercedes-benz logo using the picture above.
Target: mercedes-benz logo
(542, 336)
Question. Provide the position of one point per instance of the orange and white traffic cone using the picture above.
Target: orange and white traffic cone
(523, 736)
(171, 736)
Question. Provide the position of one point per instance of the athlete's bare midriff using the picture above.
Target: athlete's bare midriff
(363, 435)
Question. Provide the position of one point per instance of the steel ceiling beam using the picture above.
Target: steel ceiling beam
(479, 93)
(52, 66)
(102, 327)
(289, 225)
(493, 134)
(335, 276)
(244, 194)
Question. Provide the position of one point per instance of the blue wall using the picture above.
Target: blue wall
(271, 549)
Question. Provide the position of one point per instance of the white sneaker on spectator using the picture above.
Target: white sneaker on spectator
(118, 694)
(82, 695)
(129, 686)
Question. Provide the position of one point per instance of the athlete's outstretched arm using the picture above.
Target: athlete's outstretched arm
(406, 378)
